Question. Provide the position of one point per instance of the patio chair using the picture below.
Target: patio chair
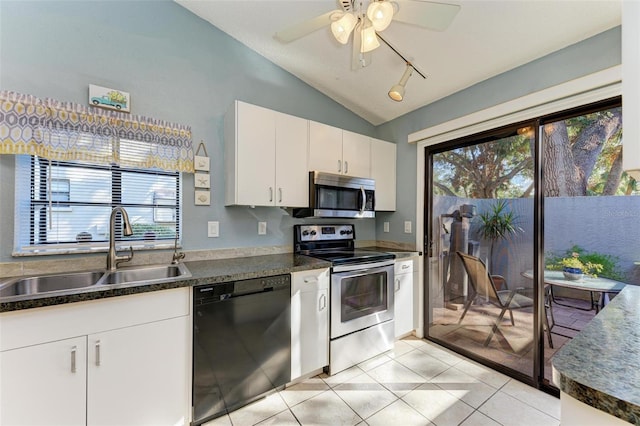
(483, 285)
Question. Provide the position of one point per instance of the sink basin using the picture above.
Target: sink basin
(146, 273)
(49, 283)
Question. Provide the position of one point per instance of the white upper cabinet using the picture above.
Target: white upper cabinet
(265, 157)
(383, 171)
(631, 87)
(325, 148)
(356, 154)
(338, 151)
(292, 182)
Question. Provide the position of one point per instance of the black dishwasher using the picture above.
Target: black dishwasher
(241, 343)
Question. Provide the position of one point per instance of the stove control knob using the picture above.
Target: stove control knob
(343, 232)
(305, 233)
(313, 233)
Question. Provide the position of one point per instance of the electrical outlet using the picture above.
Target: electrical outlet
(213, 229)
(386, 227)
(262, 228)
(407, 227)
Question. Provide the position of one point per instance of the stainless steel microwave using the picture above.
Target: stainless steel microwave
(333, 195)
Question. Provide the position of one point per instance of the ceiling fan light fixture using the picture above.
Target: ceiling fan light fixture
(341, 29)
(397, 90)
(380, 13)
(369, 40)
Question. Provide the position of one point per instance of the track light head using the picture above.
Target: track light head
(397, 91)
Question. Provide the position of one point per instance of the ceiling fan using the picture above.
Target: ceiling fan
(365, 23)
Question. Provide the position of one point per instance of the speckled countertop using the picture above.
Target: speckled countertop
(400, 254)
(600, 366)
(202, 272)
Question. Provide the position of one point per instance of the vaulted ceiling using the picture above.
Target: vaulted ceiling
(484, 39)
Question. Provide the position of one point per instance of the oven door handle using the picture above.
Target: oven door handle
(362, 267)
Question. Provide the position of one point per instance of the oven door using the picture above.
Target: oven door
(361, 296)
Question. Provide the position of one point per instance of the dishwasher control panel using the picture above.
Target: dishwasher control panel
(223, 291)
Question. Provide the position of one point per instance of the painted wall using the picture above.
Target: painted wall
(177, 67)
(591, 55)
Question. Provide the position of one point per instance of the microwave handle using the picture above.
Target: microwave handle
(363, 200)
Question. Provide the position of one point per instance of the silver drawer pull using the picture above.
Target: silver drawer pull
(406, 266)
(97, 353)
(322, 302)
(74, 349)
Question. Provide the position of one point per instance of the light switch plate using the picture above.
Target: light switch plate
(386, 226)
(213, 229)
(262, 228)
(407, 227)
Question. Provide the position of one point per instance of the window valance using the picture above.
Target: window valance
(66, 131)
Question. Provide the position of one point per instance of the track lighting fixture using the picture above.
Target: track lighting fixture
(397, 91)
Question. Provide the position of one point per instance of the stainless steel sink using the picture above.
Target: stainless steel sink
(151, 274)
(49, 283)
(58, 283)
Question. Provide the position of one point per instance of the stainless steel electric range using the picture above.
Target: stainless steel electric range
(361, 293)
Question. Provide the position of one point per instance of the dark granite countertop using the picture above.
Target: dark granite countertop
(400, 254)
(202, 272)
(600, 365)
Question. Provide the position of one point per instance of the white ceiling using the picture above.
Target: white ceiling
(486, 38)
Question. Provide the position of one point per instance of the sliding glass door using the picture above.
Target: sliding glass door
(480, 226)
(507, 213)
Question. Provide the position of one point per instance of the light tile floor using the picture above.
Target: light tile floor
(417, 383)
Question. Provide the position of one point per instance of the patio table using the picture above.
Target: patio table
(603, 286)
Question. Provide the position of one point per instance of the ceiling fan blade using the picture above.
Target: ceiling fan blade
(426, 14)
(304, 28)
(358, 58)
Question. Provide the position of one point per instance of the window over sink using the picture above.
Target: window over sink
(65, 206)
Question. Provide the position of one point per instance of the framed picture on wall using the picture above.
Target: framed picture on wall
(104, 97)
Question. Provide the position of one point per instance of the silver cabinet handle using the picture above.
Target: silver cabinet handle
(405, 266)
(270, 194)
(397, 284)
(74, 349)
(279, 195)
(339, 166)
(310, 280)
(322, 302)
(346, 167)
(97, 353)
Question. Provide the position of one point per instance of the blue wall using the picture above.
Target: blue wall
(591, 55)
(179, 68)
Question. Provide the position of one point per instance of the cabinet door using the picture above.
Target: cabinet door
(356, 154)
(44, 384)
(403, 297)
(325, 148)
(309, 322)
(292, 177)
(256, 155)
(383, 171)
(140, 375)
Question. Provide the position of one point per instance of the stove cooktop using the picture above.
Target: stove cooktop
(335, 244)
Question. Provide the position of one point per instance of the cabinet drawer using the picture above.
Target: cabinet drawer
(314, 280)
(403, 267)
(39, 325)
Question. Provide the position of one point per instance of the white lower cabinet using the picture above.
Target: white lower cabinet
(138, 371)
(44, 384)
(129, 363)
(309, 321)
(403, 297)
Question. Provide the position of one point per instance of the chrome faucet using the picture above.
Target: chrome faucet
(177, 255)
(112, 257)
